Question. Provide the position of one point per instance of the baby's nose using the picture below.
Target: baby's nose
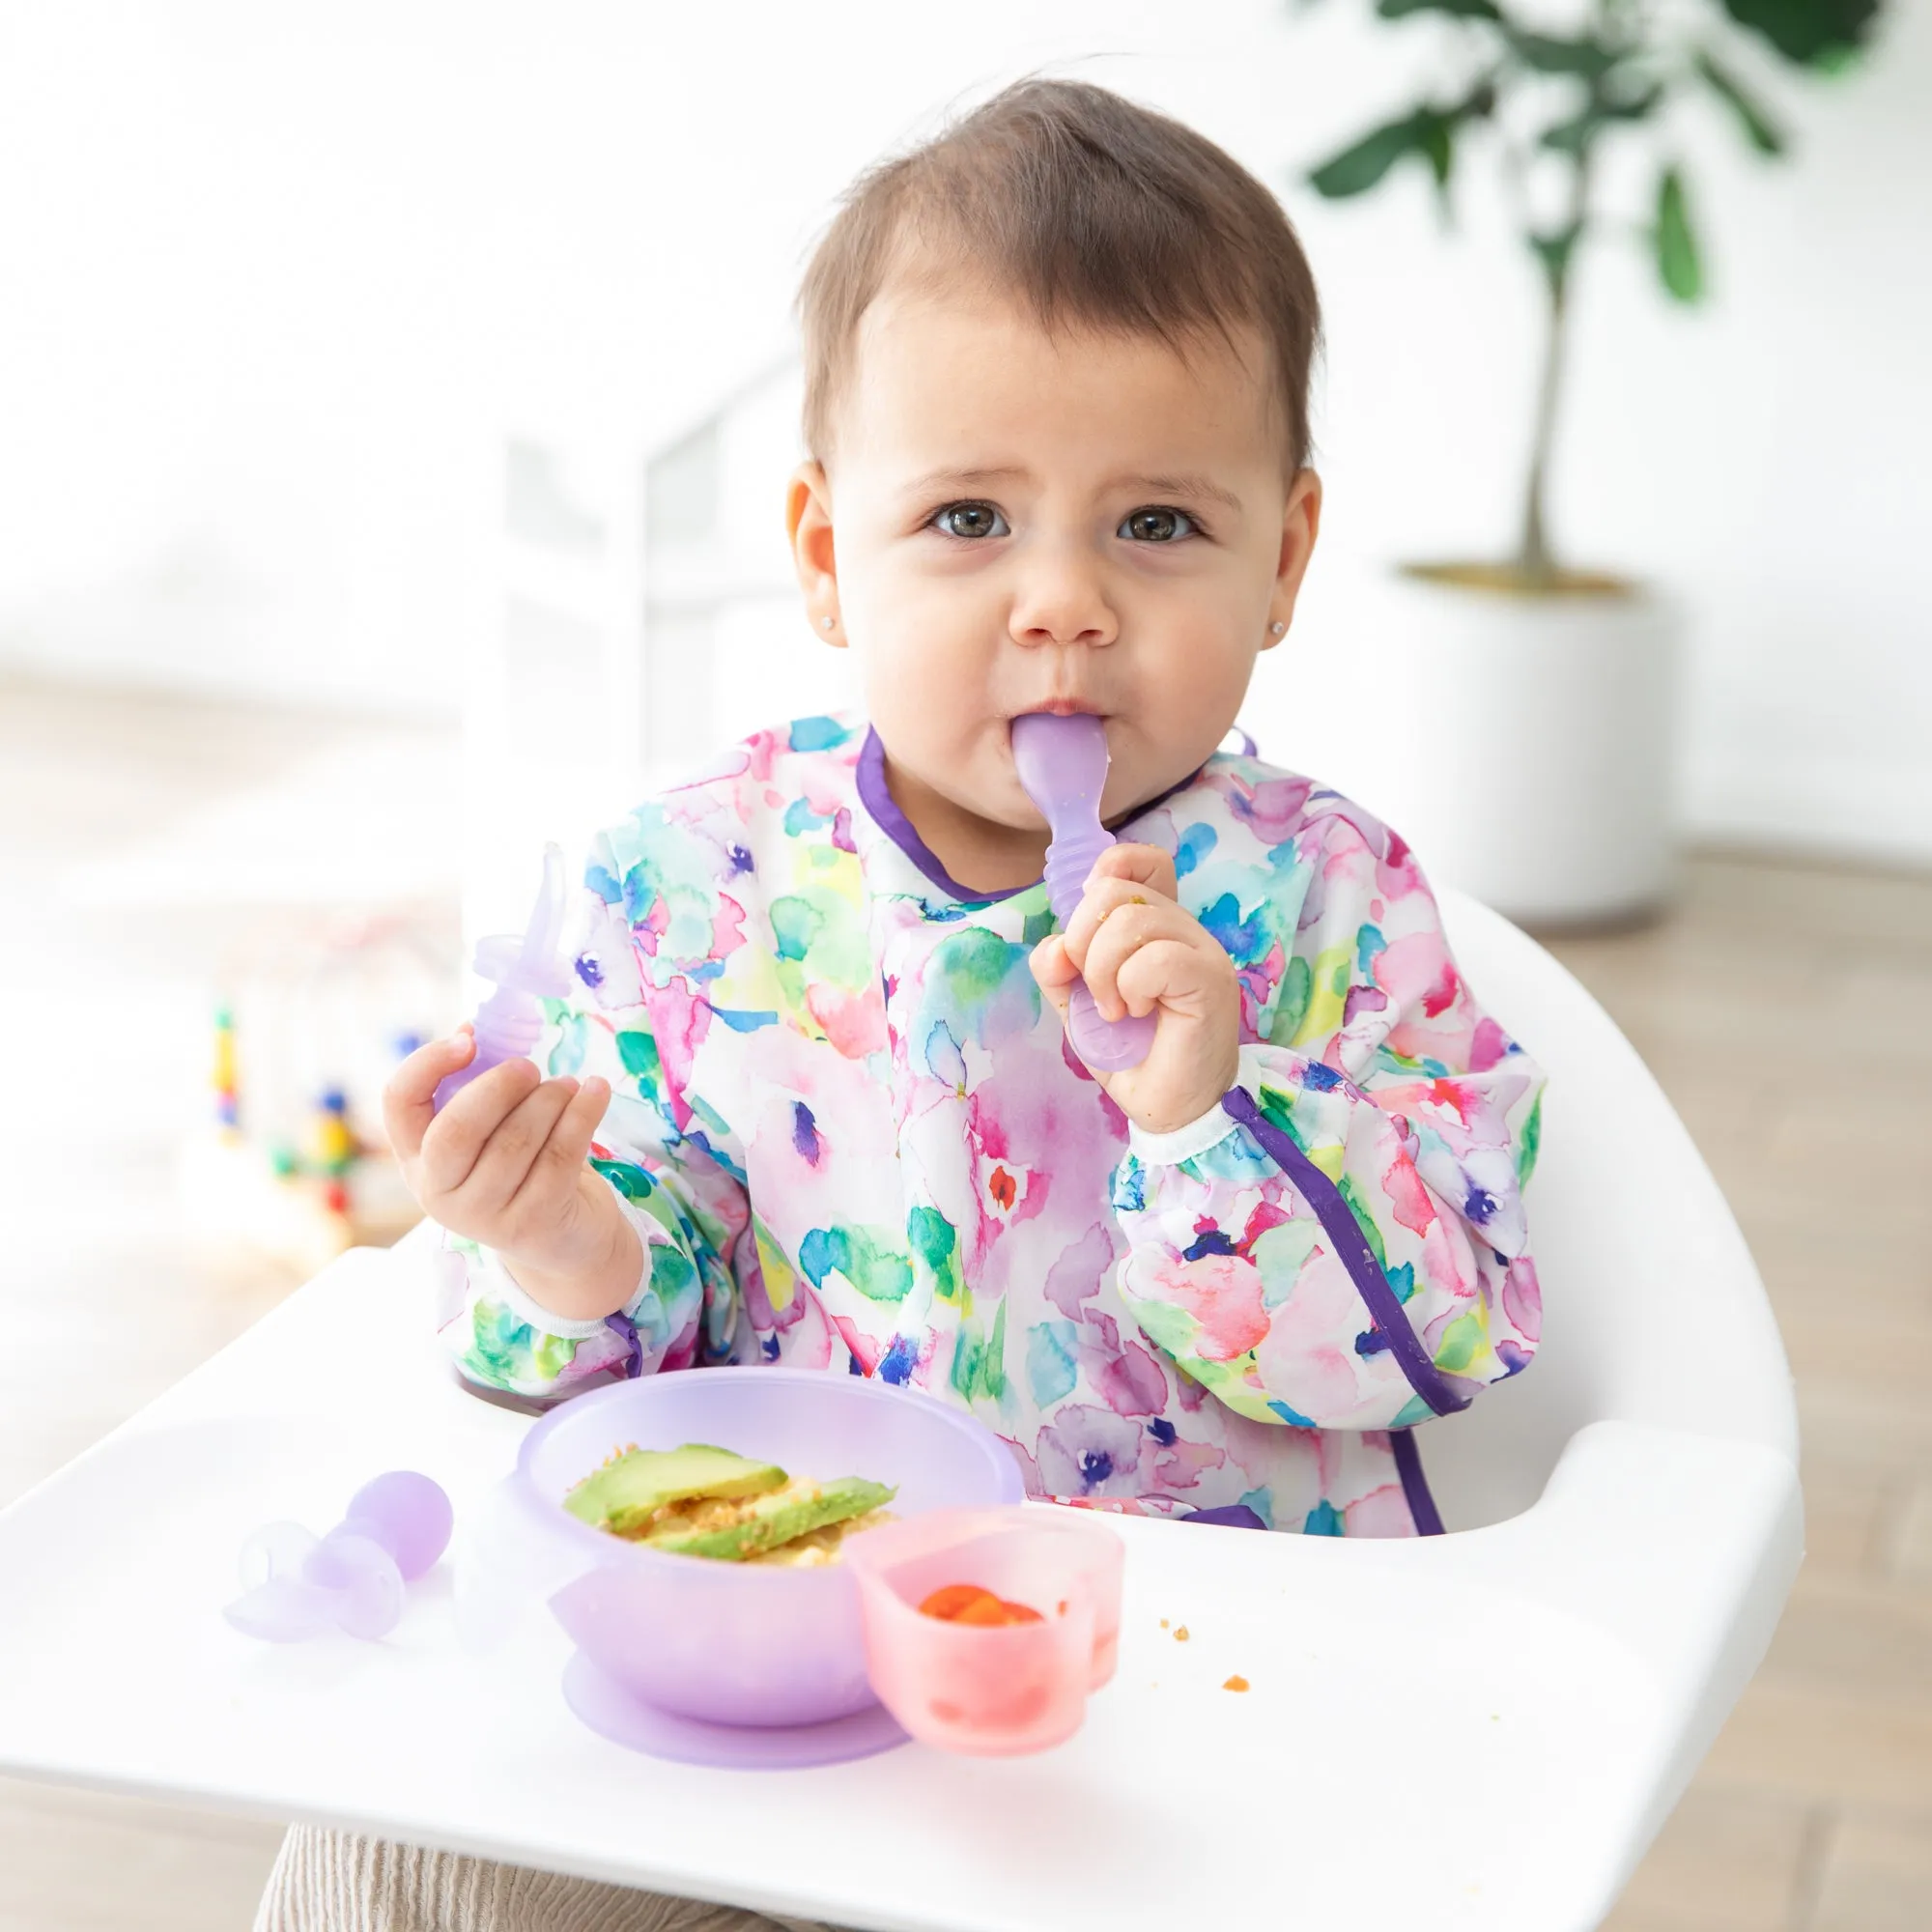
(1060, 600)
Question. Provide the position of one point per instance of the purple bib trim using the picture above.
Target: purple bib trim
(1351, 1248)
(876, 796)
(1414, 1484)
(626, 1331)
(1228, 1516)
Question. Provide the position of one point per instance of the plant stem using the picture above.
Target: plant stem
(1534, 558)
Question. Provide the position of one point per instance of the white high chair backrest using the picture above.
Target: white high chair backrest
(1652, 1308)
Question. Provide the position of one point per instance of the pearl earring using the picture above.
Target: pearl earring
(1278, 629)
(825, 623)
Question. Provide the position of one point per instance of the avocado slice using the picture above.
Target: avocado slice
(762, 1522)
(635, 1484)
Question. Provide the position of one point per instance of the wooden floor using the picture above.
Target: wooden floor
(1781, 1006)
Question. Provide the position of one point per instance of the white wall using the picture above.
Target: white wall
(271, 281)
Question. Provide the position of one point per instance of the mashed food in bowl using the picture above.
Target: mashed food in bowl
(700, 1500)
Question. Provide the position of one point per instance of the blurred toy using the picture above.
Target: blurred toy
(331, 1145)
(330, 1157)
(226, 1110)
(314, 1015)
(297, 1586)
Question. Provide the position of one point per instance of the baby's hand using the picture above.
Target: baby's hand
(1140, 953)
(505, 1164)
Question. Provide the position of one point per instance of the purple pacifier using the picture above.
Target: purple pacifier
(1062, 765)
(526, 971)
(297, 1585)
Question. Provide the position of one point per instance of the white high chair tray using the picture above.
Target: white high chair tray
(1430, 1740)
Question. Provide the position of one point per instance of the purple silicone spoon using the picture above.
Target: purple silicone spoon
(1062, 765)
(295, 1585)
(526, 972)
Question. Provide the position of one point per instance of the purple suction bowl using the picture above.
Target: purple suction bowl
(730, 1644)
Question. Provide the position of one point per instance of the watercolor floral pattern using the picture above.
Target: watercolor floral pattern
(848, 1129)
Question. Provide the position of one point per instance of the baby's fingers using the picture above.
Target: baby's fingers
(1054, 971)
(1125, 930)
(1105, 900)
(512, 1149)
(454, 1141)
(408, 1097)
(1145, 866)
(563, 1154)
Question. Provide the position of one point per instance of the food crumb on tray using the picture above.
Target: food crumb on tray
(1235, 1683)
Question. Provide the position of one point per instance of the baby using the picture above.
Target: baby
(812, 1101)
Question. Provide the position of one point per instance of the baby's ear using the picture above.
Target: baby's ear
(809, 525)
(1300, 525)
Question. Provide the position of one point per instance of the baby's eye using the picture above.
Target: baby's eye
(1157, 525)
(971, 520)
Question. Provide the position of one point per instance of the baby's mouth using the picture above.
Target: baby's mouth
(1063, 707)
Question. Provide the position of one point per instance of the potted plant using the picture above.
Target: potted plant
(1539, 772)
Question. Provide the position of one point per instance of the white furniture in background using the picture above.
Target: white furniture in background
(1481, 1730)
(647, 618)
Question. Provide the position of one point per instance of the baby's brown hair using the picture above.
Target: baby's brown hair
(1093, 213)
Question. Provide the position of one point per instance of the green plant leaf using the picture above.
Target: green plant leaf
(1427, 132)
(1573, 137)
(1812, 32)
(1554, 251)
(1439, 147)
(1760, 129)
(1358, 169)
(1677, 261)
(1589, 58)
(1462, 9)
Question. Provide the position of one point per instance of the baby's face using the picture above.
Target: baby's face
(1019, 522)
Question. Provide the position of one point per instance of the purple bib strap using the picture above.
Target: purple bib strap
(1414, 1484)
(1351, 1248)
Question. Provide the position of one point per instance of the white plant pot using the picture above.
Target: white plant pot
(1523, 745)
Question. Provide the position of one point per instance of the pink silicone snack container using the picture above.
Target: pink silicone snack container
(730, 1644)
(991, 1692)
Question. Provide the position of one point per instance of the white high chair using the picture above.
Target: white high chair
(1479, 1731)
(1643, 1474)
